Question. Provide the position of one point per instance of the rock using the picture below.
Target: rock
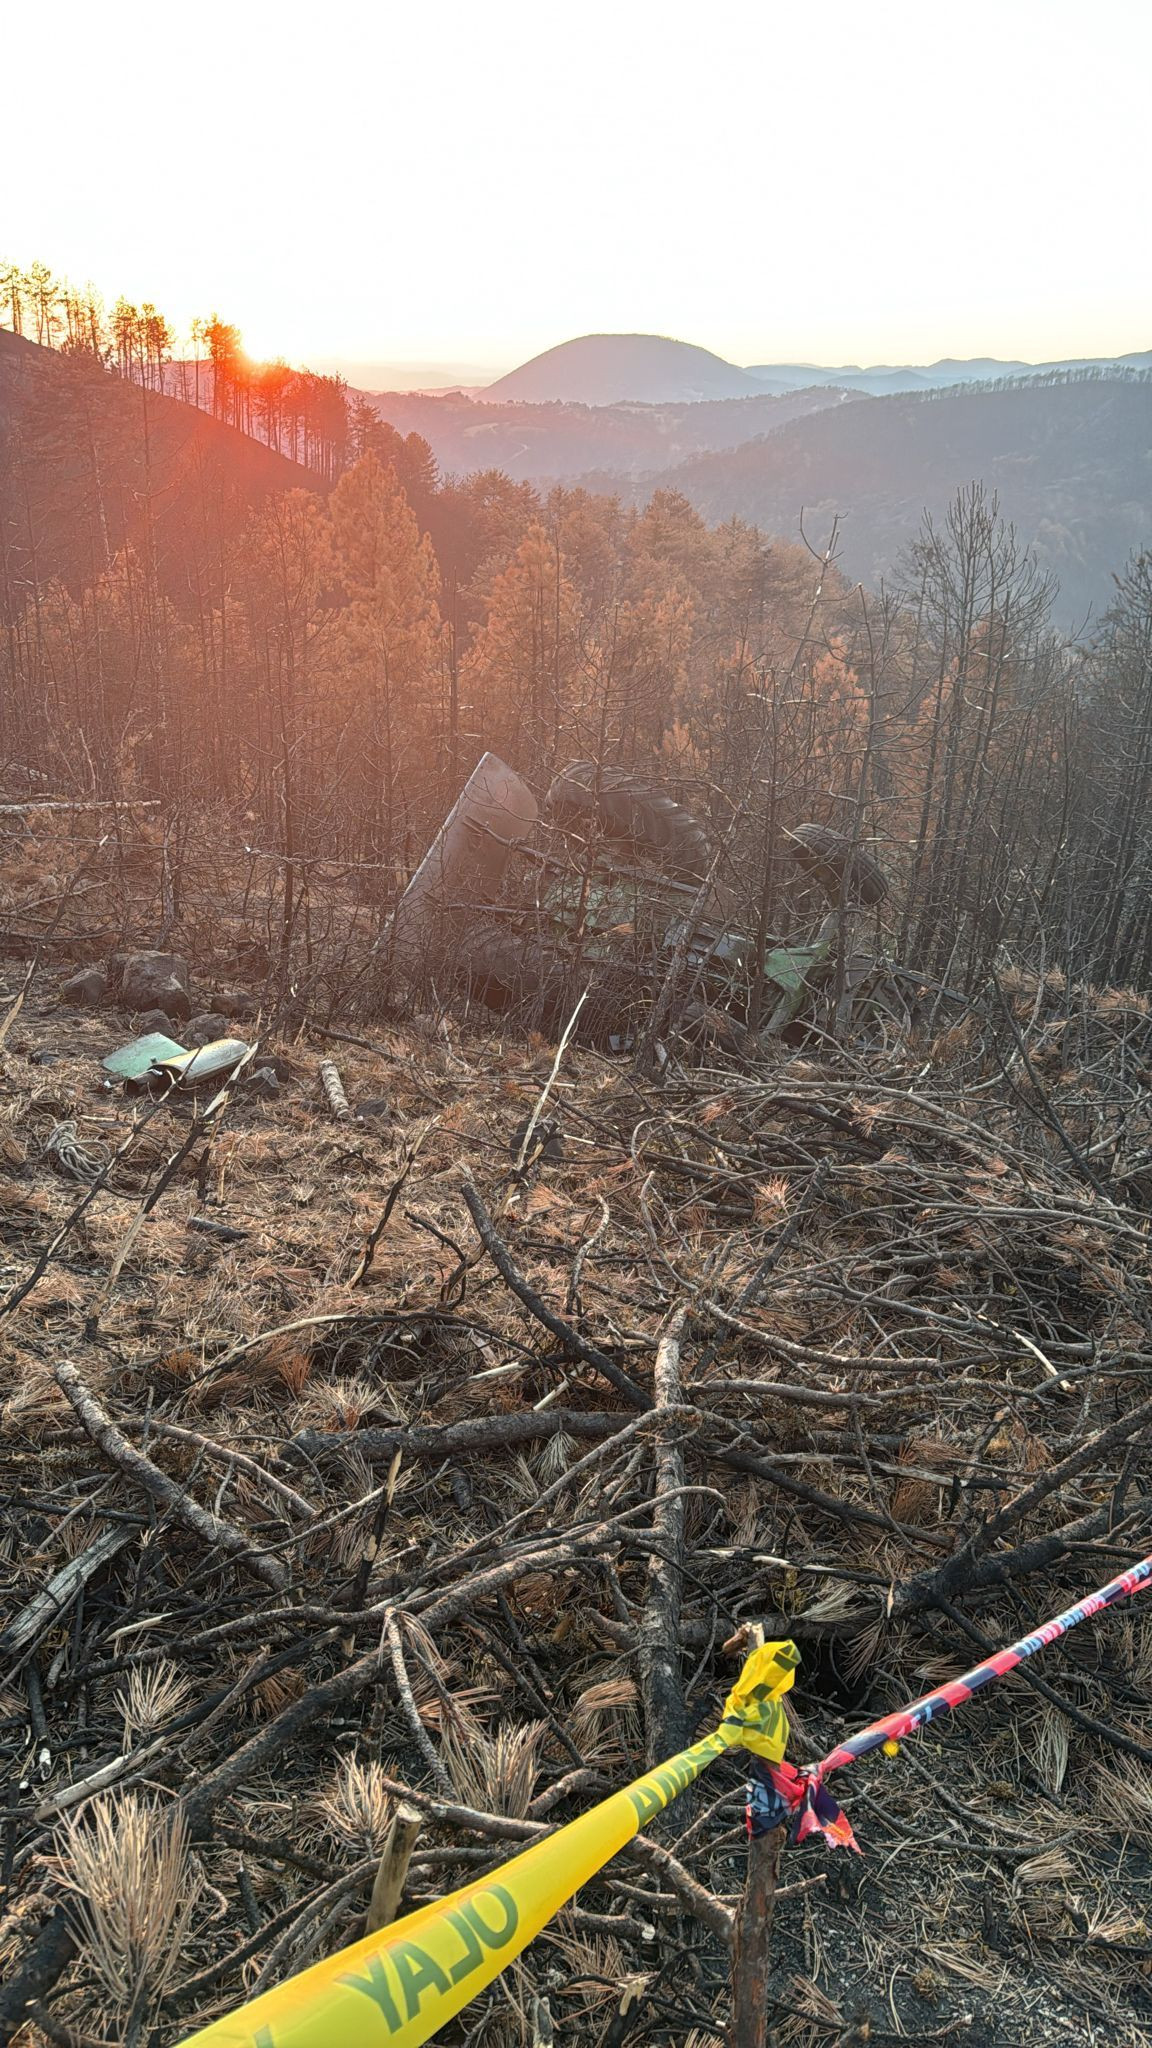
(377, 1106)
(547, 1143)
(263, 1084)
(89, 988)
(231, 1002)
(253, 957)
(279, 1068)
(204, 1029)
(114, 967)
(156, 981)
(169, 994)
(154, 1020)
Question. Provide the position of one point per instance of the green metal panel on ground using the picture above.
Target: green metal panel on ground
(132, 1062)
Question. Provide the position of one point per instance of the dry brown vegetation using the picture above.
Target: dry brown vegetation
(401, 1545)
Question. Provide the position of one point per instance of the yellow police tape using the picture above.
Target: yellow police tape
(398, 1987)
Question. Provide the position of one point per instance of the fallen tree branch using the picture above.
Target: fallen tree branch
(416, 1728)
(53, 1599)
(964, 1572)
(658, 1653)
(217, 1534)
(227, 1454)
(66, 803)
(423, 1442)
(575, 1345)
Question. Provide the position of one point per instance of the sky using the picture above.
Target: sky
(463, 185)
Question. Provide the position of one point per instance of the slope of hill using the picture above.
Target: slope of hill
(75, 440)
(602, 369)
(1072, 464)
(562, 441)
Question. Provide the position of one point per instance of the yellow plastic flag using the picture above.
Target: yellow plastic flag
(396, 1988)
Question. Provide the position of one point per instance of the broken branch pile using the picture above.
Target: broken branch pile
(441, 1492)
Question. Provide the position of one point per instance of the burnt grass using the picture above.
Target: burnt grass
(908, 1419)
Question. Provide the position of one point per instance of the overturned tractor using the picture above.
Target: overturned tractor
(607, 894)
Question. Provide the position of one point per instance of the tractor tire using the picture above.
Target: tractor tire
(629, 810)
(825, 854)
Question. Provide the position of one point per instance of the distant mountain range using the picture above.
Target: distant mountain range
(885, 380)
(651, 369)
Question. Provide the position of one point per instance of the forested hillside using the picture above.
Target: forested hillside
(94, 462)
(558, 443)
(1070, 459)
(187, 614)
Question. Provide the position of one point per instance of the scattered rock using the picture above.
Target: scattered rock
(547, 1141)
(156, 981)
(86, 989)
(116, 963)
(154, 1020)
(276, 1065)
(168, 995)
(205, 1029)
(263, 1084)
(231, 1002)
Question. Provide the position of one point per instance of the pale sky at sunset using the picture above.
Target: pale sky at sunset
(467, 184)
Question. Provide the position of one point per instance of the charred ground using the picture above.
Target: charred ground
(910, 1421)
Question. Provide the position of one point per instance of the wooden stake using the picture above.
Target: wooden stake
(661, 1686)
(388, 1884)
(752, 1936)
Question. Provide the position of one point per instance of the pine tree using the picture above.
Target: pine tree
(393, 638)
(520, 677)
